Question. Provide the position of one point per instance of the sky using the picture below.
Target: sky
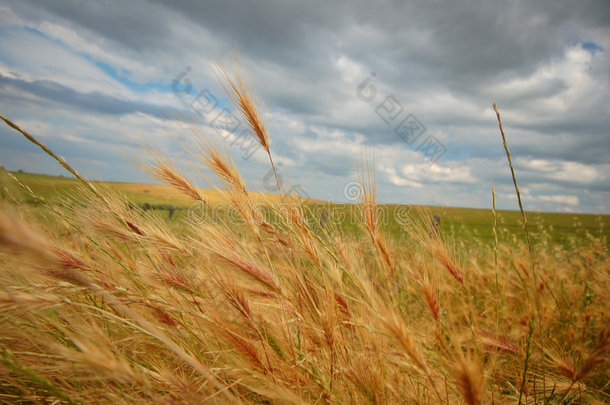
(410, 83)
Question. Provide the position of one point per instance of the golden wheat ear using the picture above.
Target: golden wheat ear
(242, 94)
(240, 91)
(219, 161)
(368, 191)
(16, 236)
(166, 171)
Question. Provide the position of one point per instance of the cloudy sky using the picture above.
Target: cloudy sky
(412, 81)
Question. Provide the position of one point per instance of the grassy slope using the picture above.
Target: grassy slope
(462, 222)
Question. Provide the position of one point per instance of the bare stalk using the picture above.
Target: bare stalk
(512, 171)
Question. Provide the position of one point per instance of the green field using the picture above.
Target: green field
(471, 223)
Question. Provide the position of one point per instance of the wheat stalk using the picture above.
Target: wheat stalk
(240, 91)
(512, 171)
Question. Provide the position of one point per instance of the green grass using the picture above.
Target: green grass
(471, 223)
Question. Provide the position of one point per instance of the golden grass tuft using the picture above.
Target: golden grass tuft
(469, 380)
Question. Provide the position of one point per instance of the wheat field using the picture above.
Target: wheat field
(102, 301)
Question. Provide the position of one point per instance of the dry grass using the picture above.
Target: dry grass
(111, 304)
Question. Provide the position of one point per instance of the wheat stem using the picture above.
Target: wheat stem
(512, 171)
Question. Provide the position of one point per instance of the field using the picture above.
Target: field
(133, 293)
(563, 229)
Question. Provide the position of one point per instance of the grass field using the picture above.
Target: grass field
(459, 222)
(118, 293)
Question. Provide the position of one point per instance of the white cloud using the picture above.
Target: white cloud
(46, 60)
(552, 91)
(573, 172)
(559, 199)
(443, 172)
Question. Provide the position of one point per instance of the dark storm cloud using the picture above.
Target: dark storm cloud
(128, 23)
(413, 47)
(460, 44)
